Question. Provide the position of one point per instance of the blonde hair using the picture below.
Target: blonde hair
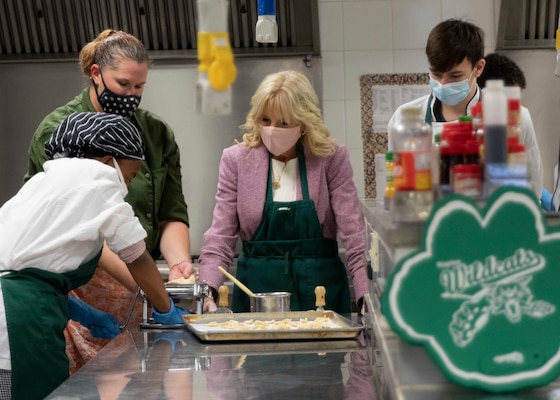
(111, 47)
(290, 94)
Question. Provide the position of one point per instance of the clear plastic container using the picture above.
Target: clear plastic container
(411, 139)
(495, 117)
(436, 166)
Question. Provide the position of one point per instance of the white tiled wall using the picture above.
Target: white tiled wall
(381, 36)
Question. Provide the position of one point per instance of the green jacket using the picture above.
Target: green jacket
(156, 193)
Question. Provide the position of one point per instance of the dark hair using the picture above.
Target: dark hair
(451, 41)
(501, 67)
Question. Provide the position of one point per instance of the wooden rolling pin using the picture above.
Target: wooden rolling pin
(320, 298)
(223, 300)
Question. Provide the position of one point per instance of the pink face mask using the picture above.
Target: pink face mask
(279, 140)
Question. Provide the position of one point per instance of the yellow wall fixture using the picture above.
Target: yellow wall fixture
(216, 69)
(557, 72)
(267, 28)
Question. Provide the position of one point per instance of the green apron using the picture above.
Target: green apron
(36, 314)
(289, 253)
(428, 115)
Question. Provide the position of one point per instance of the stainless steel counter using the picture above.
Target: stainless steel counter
(174, 364)
(402, 236)
(406, 372)
(403, 371)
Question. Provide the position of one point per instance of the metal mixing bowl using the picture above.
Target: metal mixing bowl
(270, 302)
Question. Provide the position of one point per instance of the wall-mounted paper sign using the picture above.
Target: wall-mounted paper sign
(482, 293)
(387, 98)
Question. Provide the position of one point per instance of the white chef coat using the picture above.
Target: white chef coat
(527, 133)
(60, 218)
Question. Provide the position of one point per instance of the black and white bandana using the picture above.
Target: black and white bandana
(84, 134)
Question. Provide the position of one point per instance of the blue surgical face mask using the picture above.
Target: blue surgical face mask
(451, 93)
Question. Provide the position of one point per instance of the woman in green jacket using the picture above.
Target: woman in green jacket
(116, 65)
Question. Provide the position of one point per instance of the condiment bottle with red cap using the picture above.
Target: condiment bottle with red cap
(513, 94)
(477, 122)
(466, 180)
(452, 149)
(516, 152)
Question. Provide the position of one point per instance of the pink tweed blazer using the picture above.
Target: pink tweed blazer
(240, 199)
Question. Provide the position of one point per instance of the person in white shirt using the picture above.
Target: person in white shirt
(51, 237)
(455, 52)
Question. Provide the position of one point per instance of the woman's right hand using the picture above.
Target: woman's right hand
(209, 306)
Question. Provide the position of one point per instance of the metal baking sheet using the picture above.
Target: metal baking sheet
(339, 326)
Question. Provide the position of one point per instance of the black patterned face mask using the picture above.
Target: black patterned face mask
(115, 103)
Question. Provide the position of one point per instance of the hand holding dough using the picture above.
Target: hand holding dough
(184, 281)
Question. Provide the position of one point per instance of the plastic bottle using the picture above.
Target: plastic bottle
(452, 150)
(389, 180)
(478, 125)
(495, 109)
(466, 180)
(517, 159)
(411, 142)
(513, 94)
(436, 166)
(472, 152)
(518, 164)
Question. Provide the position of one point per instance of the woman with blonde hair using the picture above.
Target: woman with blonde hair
(116, 66)
(287, 192)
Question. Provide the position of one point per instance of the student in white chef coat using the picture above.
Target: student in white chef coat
(51, 236)
(115, 65)
(455, 51)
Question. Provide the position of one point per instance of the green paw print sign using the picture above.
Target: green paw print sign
(482, 293)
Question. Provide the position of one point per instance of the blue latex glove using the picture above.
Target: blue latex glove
(100, 324)
(172, 317)
(546, 200)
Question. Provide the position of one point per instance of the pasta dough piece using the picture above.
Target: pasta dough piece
(285, 324)
(184, 281)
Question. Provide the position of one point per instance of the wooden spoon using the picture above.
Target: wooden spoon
(237, 282)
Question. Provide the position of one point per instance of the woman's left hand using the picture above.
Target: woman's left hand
(183, 269)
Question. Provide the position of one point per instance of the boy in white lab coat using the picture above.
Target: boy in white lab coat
(455, 51)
